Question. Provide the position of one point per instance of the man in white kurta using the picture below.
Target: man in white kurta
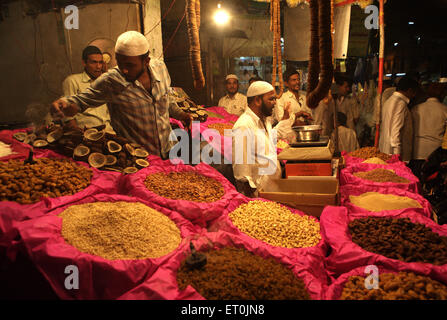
(293, 96)
(234, 102)
(254, 141)
(396, 128)
(429, 122)
(79, 82)
(346, 104)
(347, 138)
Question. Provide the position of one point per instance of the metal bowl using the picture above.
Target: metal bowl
(308, 133)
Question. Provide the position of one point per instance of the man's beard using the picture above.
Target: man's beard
(265, 110)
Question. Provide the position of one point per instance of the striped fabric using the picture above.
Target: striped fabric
(135, 114)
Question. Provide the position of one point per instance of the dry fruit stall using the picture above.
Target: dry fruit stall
(145, 237)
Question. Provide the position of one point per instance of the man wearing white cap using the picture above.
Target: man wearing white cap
(234, 102)
(254, 140)
(136, 93)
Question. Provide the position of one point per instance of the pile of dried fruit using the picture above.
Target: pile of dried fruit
(221, 127)
(237, 274)
(119, 230)
(186, 185)
(275, 224)
(369, 152)
(399, 239)
(381, 175)
(28, 183)
(400, 286)
(376, 201)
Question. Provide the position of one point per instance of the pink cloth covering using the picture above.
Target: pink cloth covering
(163, 284)
(99, 278)
(346, 255)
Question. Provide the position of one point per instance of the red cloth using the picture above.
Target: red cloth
(14, 212)
(197, 212)
(346, 255)
(347, 176)
(314, 256)
(163, 284)
(99, 278)
(356, 190)
(336, 288)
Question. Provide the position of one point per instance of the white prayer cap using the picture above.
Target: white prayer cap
(232, 76)
(258, 88)
(131, 44)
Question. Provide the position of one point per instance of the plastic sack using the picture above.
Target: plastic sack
(99, 278)
(356, 190)
(347, 176)
(197, 212)
(346, 255)
(336, 288)
(163, 284)
(349, 160)
(314, 256)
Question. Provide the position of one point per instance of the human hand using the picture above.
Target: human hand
(61, 108)
(286, 111)
(187, 120)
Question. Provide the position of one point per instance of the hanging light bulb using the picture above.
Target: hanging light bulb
(221, 16)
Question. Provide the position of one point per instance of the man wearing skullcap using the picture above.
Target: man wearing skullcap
(77, 83)
(254, 140)
(137, 94)
(234, 102)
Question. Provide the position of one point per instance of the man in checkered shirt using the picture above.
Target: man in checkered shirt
(137, 94)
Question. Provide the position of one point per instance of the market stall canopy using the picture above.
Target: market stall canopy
(249, 37)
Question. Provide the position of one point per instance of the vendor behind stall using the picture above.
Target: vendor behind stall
(295, 98)
(136, 93)
(347, 138)
(234, 102)
(76, 83)
(254, 140)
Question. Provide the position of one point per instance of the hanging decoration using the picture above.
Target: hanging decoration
(275, 27)
(193, 25)
(321, 69)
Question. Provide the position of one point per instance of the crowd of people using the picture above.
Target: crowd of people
(133, 100)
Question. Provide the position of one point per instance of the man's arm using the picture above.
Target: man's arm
(96, 95)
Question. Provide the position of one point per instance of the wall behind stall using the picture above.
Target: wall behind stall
(38, 53)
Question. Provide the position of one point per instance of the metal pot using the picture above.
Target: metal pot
(308, 133)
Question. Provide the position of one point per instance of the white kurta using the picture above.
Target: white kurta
(254, 161)
(91, 117)
(347, 139)
(324, 115)
(429, 123)
(296, 105)
(396, 128)
(350, 107)
(235, 105)
(386, 94)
